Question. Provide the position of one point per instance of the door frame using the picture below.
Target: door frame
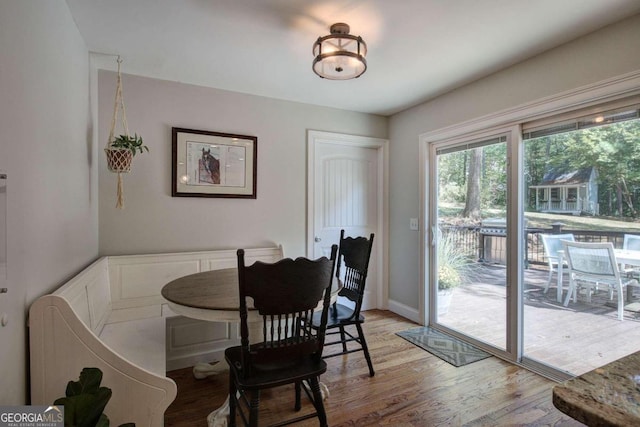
(382, 227)
(597, 93)
(515, 217)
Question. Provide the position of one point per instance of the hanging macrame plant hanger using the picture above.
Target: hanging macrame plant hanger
(118, 159)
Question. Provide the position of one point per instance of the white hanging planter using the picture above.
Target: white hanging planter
(121, 150)
(118, 159)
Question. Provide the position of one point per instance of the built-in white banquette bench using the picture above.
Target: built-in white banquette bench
(112, 316)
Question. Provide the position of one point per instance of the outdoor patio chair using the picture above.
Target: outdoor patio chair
(552, 244)
(631, 243)
(591, 264)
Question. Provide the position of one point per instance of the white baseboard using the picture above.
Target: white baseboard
(405, 311)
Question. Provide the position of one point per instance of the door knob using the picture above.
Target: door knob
(317, 239)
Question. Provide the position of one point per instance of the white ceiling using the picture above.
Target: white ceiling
(418, 49)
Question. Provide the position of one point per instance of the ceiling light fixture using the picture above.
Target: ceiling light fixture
(340, 55)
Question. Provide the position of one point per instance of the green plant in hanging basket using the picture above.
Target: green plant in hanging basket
(121, 150)
(133, 143)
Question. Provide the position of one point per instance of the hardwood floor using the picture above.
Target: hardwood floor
(411, 388)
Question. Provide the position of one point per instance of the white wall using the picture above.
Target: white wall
(46, 152)
(153, 221)
(607, 53)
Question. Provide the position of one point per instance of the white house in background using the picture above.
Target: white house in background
(573, 192)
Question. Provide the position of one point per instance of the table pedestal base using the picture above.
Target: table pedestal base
(204, 370)
(220, 416)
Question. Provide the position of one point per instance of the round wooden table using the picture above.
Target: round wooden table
(213, 296)
(210, 295)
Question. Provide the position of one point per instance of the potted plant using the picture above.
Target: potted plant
(453, 265)
(85, 400)
(121, 151)
(448, 279)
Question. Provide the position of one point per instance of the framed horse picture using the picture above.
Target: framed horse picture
(213, 164)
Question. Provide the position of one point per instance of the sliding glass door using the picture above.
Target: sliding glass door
(469, 230)
(582, 183)
(496, 201)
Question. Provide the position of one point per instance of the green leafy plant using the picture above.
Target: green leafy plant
(85, 401)
(133, 143)
(453, 265)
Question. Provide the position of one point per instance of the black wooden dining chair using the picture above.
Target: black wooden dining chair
(353, 265)
(278, 346)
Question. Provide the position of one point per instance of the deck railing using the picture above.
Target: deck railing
(559, 205)
(492, 247)
(535, 250)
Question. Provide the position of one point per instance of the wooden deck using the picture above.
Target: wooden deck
(576, 339)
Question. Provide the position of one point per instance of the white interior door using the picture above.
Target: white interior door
(347, 194)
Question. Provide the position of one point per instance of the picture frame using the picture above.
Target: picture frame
(213, 164)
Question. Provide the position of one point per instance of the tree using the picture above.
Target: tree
(493, 189)
(472, 202)
(451, 176)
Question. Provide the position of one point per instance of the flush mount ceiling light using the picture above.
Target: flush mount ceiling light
(340, 55)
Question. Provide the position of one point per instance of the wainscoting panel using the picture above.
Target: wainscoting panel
(191, 341)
